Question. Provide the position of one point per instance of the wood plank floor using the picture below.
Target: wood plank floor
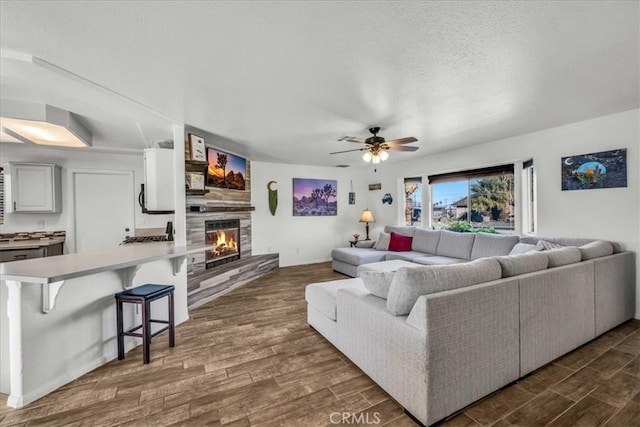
(249, 359)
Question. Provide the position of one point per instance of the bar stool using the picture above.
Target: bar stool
(144, 295)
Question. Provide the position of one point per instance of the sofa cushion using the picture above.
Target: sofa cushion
(425, 240)
(563, 256)
(400, 242)
(382, 244)
(514, 265)
(596, 249)
(407, 256)
(377, 282)
(357, 256)
(410, 283)
(322, 296)
(437, 260)
(486, 245)
(400, 229)
(545, 245)
(523, 248)
(455, 245)
(385, 266)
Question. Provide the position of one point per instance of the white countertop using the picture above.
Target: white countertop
(63, 267)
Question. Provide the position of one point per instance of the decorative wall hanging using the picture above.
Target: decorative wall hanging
(387, 198)
(373, 187)
(273, 197)
(315, 197)
(352, 194)
(226, 170)
(606, 169)
(197, 148)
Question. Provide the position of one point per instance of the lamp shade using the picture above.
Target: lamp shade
(366, 216)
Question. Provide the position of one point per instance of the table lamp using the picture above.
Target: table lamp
(367, 217)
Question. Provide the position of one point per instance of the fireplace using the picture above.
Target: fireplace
(225, 236)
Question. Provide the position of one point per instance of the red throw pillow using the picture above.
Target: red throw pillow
(400, 242)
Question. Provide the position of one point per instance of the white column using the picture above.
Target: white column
(14, 311)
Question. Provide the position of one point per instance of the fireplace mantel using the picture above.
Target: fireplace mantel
(206, 208)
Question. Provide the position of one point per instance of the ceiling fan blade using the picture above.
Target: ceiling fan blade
(350, 139)
(406, 140)
(402, 148)
(348, 151)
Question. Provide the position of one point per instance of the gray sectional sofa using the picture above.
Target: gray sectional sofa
(439, 337)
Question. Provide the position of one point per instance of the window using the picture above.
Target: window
(528, 197)
(413, 201)
(480, 198)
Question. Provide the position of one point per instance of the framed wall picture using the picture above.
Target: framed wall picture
(605, 169)
(315, 197)
(197, 148)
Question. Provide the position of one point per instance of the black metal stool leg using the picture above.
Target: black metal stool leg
(146, 331)
(120, 330)
(172, 336)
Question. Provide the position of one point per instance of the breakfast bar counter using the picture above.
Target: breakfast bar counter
(60, 318)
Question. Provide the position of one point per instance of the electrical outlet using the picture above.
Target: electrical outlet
(40, 225)
(269, 249)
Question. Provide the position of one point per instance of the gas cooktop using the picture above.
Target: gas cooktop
(145, 239)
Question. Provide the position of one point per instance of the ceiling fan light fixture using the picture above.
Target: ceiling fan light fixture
(376, 159)
(367, 156)
(384, 155)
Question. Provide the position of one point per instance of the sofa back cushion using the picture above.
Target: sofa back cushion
(563, 256)
(455, 245)
(404, 230)
(400, 242)
(596, 249)
(514, 265)
(425, 240)
(409, 283)
(378, 283)
(486, 244)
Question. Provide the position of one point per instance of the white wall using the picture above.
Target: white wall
(73, 159)
(611, 214)
(303, 240)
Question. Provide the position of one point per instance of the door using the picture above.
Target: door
(103, 209)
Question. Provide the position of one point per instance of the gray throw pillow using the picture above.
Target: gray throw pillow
(563, 256)
(596, 249)
(523, 248)
(410, 283)
(545, 246)
(382, 244)
(378, 282)
(514, 265)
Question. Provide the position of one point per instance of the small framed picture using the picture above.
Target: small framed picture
(196, 148)
(195, 180)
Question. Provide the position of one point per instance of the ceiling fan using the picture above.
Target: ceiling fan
(376, 147)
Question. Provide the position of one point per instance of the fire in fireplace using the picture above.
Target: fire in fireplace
(224, 235)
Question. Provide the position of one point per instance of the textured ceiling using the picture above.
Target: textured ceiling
(281, 81)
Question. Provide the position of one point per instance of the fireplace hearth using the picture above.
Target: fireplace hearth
(225, 236)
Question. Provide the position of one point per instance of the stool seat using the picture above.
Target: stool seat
(144, 295)
(146, 292)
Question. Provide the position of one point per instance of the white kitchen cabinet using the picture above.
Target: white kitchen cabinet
(33, 188)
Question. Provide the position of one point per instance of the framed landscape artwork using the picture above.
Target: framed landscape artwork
(226, 170)
(315, 197)
(606, 169)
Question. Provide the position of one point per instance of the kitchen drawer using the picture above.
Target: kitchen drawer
(20, 254)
